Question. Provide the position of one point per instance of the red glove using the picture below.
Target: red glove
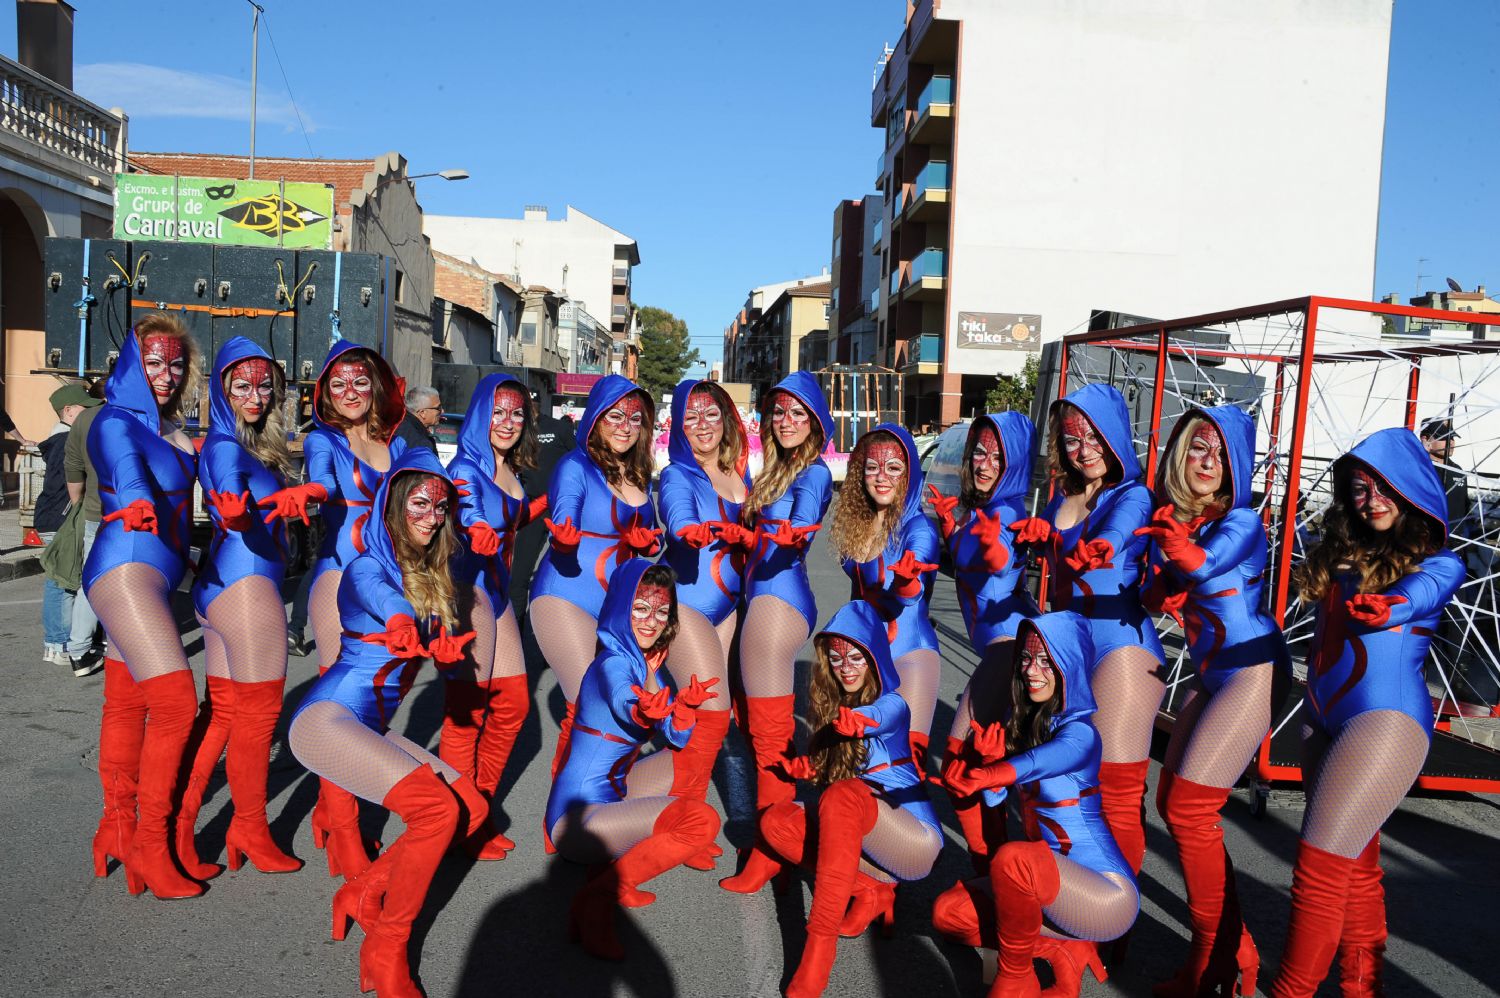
(650, 707)
(292, 501)
(1033, 530)
(698, 535)
(685, 710)
(1173, 538)
(1158, 598)
(989, 742)
(786, 535)
(644, 540)
(458, 487)
(400, 637)
(733, 534)
(138, 515)
(908, 572)
(446, 648)
(534, 509)
(851, 723)
(804, 534)
(1372, 609)
(953, 770)
(989, 777)
(987, 530)
(565, 536)
(483, 539)
(798, 767)
(233, 509)
(1089, 555)
(943, 506)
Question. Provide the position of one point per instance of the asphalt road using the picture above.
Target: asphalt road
(497, 929)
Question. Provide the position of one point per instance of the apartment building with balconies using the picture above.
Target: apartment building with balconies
(763, 342)
(855, 278)
(1040, 162)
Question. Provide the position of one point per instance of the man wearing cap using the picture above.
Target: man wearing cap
(1438, 436)
(60, 590)
(83, 487)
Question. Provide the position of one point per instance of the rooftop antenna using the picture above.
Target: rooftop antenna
(254, 69)
(1420, 261)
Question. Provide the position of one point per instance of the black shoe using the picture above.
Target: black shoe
(87, 665)
(297, 645)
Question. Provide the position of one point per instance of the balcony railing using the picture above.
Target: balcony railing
(622, 276)
(931, 262)
(878, 232)
(895, 282)
(879, 167)
(621, 311)
(932, 177)
(939, 90)
(925, 349)
(873, 305)
(57, 119)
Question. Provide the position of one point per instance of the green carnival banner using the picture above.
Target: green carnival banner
(224, 212)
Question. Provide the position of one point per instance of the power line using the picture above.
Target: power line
(295, 110)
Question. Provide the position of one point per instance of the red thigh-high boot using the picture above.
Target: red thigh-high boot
(1320, 892)
(683, 829)
(872, 900)
(983, 827)
(846, 812)
(1362, 947)
(430, 811)
(362, 897)
(348, 853)
(464, 705)
(559, 759)
(257, 706)
(1069, 958)
(509, 703)
(771, 730)
(1122, 795)
(205, 745)
(965, 913)
(122, 726)
(693, 767)
(783, 837)
(1222, 950)
(1024, 878)
(171, 702)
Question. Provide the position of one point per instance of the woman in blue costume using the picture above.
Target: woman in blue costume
(146, 466)
(874, 824)
(785, 508)
(1094, 558)
(357, 405)
(594, 814)
(237, 597)
(1209, 562)
(994, 480)
(602, 516)
(1067, 868)
(398, 606)
(486, 704)
(1380, 576)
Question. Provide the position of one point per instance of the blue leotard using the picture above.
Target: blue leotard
(1108, 597)
(579, 492)
(908, 625)
(606, 738)
(474, 464)
(995, 603)
(779, 571)
(365, 678)
(226, 466)
(134, 462)
(1227, 629)
(1352, 667)
(351, 483)
(709, 579)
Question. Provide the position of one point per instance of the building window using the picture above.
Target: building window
(528, 331)
(400, 290)
(826, 310)
(838, 245)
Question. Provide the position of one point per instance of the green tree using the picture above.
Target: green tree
(666, 352)
(1015, 391)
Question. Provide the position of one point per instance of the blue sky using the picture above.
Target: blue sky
(719, 135)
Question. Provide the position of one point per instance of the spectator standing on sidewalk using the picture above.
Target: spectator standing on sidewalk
(83, 486)
(424, 408)
(51, 513)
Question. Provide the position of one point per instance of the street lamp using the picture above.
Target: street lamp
(445, 174)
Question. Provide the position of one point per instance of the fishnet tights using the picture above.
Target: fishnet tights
(1217, 734)
(919, 671)
(988, 688)
(773, 634)
(900, 845)
(323, 615)
(475, 614)
(1357, 778)
(244, 635)
(567, 637)
(329, 740)
(134, 604)
(601, 832)
(1128, 688)
(1089, 905)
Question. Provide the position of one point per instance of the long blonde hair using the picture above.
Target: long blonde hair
(162, 324)
(267, 439)
(858, 531)
(426, 581)
(780, 468)
(1174, 484)
(834, 756)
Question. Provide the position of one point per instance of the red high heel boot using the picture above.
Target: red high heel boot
(693, 764)
(1362, 946)
(257, 706)
(846, 813)
(122, 726)
(1320, 893)
(783, 831)
(1069, 958)
(1024, 878)
(983, 828)
(510, 703)
(771, 729)
(872, 899)
(1122, 796)
(559, 759)
(205, 745)
(171, 702)
(347, 850)
(363, 898)
(430, 811)
(965, 913)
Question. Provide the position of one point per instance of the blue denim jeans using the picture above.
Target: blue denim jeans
(57, 609)
(84, 621)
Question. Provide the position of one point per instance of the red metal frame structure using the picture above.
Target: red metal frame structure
(1155, 338)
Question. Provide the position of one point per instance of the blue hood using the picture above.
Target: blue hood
(221, 415)
(914, 477)
(1237, 430)
(395, 406)
(860, 623)
(1397, 456)
(128, 388)
(1105, 408)
(678, 448)
(1071, 646)
(377, 538)
(1017, 435)
(615, 632)
(606, 392)
(807, 391)
(474, 435)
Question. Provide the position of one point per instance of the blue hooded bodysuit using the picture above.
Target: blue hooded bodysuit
(606, 739)
(1353, 667)
(474, 464)
(1227, 629)
(888, 767)
(1057, 782)
(226, 466)
(351, 483)
(1109, 597)
(782, 571)
(709, 579)
(134, 462)
(995, 603)
(366, 679)
(907, 624)
(579, 492)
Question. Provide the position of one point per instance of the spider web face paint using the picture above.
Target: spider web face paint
(165, 362)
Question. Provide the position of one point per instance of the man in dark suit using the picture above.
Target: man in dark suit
(555, 435)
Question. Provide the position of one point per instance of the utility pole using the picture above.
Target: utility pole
(254, 69)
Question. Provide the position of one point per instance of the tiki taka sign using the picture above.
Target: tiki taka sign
(999, 331)
(223, 212)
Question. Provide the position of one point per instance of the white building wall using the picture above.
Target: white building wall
(1161, 157)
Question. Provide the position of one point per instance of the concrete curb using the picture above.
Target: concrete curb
(20, 566)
